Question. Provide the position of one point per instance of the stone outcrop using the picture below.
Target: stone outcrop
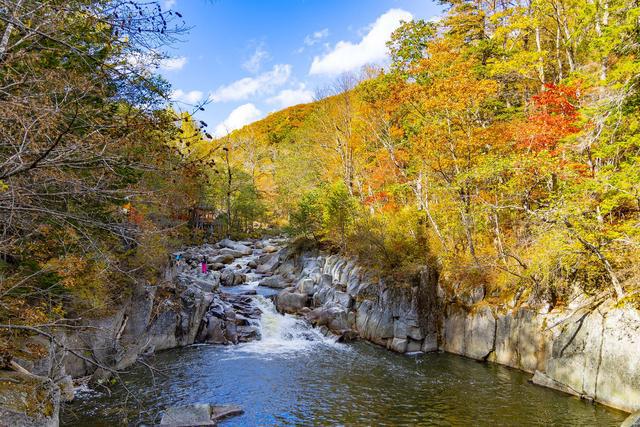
(589, 349)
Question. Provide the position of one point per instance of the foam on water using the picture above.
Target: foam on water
(283, 334)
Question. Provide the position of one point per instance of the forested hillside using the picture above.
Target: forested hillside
(502, 146)
(93, 189)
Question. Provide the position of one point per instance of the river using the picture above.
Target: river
(296, 376)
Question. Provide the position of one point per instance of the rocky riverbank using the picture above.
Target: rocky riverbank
(589, 348)
(183, 308)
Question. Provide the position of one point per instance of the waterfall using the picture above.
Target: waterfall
(283, 334)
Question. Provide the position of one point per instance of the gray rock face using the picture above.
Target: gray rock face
(335, 318)
(28, 401)
(591, 354)
(480, 334)
(596, 355)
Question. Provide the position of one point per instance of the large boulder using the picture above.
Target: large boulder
(222, 259)
(267, 263)
(236, 246)
(274, 282)
(335, 318)
(289, 301)
(231, 278)
(232, 252)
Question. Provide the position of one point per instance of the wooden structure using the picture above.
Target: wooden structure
(207, 218)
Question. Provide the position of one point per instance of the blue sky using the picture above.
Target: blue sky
(253, 57)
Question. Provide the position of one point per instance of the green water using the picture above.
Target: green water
(312, 381)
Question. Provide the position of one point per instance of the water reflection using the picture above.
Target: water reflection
(359, 384)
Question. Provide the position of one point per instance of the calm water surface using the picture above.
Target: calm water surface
(294, 376)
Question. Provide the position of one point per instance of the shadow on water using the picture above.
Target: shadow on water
(297, 377)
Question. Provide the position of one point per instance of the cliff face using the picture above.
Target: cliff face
(587, 349)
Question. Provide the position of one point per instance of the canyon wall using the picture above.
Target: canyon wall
(589, 348)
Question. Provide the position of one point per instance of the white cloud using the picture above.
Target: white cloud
(192, 97)
(254, 63)
(243, 115)
(173, 64)
(168, 4)
(348, 56)
(314, 38)
(289, 97)
(264, 83)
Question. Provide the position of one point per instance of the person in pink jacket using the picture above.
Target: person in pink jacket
(204, 265)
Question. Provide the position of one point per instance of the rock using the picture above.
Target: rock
(252, 264)
(216, 266)
(398, 345)
(274, 282)
(215, 331)
(414, 346)
(236, 246)
(430, 344)
(343, 299)
(269, 249)
(335, 318)
(632, 420)
(290, 302)
(67, 390)
(28, 400)
(267, 263)
(228, 277)
(480, 334)
(592, 355)
(305, 286)
(415, 333)
(221, 412)
(399, 329)
(348, 336)
(199, 414)
(222, 259)
(472, 296)
(239, 279)
(233, 253)
(541, 379)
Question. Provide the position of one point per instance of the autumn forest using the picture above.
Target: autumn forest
(498, 145)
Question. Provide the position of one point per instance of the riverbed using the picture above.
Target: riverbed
(296, 376)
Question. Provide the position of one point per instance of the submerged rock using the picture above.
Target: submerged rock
(198, 414)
